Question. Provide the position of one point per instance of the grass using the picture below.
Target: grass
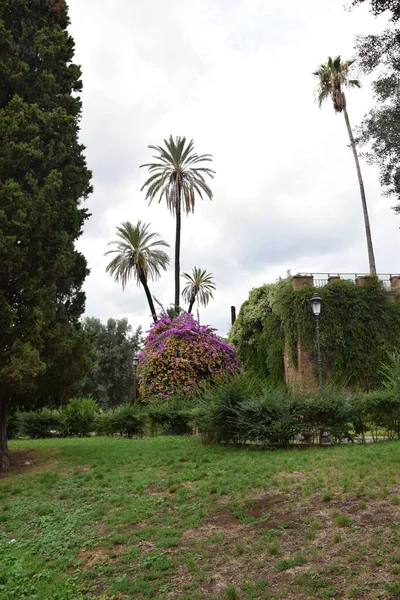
(171, 518)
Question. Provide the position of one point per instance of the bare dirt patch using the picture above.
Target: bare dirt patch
(273, 510)
(333, 557)
(154, 490)
(220, 521)
(145, 546)
(92, 557)
(26, 461)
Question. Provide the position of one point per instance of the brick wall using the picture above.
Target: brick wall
(305, 375)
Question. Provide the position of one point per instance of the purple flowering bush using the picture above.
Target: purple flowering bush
(179, 355)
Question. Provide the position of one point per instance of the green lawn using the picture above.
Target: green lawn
(172, 518)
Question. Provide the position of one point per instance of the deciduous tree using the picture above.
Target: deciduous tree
(110, 380)
(380, 128)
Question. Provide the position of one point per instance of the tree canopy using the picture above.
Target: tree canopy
(43, 180)
(111, 379)
(178, 175)
(380, 6)
(138, 256)
(199, 285)
(380, 128)
(333, 77)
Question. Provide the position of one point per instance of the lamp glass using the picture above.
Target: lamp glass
(316, 303)
(135, 361)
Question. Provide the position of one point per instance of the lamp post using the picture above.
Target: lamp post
(316, 303)
(135, 363)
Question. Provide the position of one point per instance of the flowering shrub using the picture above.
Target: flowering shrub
(179, 354)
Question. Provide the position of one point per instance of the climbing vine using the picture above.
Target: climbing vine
(258, 333)
(359, 326)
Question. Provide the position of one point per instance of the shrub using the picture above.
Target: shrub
(126, 420)
(333, 412)
(219, 406)
(78, 417)
(382, 411)
(272, 419)
(241, 410)
(38, 424)
(102, 425)
(180, 355)
(391, 372)
(174, 416)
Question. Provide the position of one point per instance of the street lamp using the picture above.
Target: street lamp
(316, 303)
(135, 363)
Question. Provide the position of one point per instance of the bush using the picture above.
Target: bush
(78, 417)
(391, 372)
(38, 424)
(333, 412)
(125, 420)
(381, 410)
(102, 425)
(241, 410)
(174, 416)
(179, 356)
(219, 406)
(272, 419)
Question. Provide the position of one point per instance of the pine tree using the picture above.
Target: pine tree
(43, 180)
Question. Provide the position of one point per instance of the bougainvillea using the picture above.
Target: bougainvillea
(180, 354)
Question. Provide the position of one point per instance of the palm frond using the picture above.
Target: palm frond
(137, 254)
(332, 78)
(177, 174)
(200, 285)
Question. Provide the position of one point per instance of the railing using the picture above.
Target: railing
(321, 279)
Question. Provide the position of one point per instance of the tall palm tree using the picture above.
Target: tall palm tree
(138, 256)
(332, 78)
(199, 285)
(177, 175)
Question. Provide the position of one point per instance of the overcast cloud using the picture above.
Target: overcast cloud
(234, 75)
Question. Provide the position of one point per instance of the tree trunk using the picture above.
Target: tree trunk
(192, 301)
(177, 252)
(4, 460)
(143, 281)
(371, 257)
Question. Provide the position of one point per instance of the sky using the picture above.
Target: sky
(236, 77)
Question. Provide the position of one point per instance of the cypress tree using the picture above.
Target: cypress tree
(43, 181)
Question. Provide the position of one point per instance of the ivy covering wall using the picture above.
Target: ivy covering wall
(359, 326)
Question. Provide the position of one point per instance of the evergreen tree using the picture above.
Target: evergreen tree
(138, 256)
(333, 77)
(200, 285)
(43, 179)
(178, 175)
(111, 379)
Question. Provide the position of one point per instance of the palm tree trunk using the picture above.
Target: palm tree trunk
(371, 257)
(4, 460)
(192, 301)
(143, 281)
(177, 251)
